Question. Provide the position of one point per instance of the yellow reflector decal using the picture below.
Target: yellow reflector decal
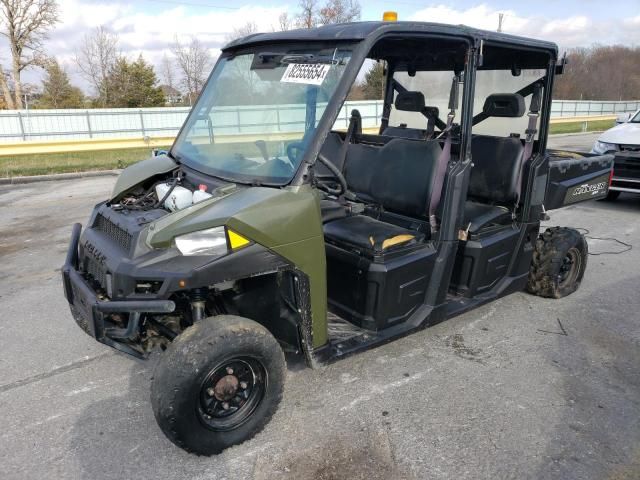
(398, 239)
(236, 240)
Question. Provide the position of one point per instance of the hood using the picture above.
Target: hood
(265, 215)
(139, 172)
(625, 133)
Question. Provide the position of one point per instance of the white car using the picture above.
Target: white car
(623, 140)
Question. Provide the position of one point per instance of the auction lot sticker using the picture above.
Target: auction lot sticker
(309, 73)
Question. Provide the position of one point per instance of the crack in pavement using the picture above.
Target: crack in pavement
(51, 373)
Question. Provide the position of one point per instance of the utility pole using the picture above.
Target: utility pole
(500, 19)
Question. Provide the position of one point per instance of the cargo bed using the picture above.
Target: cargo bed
(577, 177)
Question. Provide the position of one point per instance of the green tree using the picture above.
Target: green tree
(374, 82)
(57, 91)
(132, 85)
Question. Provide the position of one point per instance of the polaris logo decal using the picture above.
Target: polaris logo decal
(593, 188)
(95, 253)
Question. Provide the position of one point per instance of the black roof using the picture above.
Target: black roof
(360, 30)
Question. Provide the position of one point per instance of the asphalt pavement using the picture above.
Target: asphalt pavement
(581, 142)
(521, 388)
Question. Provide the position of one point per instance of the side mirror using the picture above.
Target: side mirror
(623, 118)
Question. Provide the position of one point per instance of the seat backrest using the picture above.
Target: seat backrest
(497, 162)
(410, 101)
(403, 132)
(398, 175)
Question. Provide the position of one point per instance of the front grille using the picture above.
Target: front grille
(95, 272)
(113, 231)
(630, 148)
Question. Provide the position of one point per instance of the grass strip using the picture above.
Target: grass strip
(576, 127)
(49, 163)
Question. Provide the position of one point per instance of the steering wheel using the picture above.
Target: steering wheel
(342, 182)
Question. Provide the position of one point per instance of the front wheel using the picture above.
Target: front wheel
(218, 384)
(559, 261)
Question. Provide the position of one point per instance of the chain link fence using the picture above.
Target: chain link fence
(47, 125)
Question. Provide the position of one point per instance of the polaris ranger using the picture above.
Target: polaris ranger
(269, 227)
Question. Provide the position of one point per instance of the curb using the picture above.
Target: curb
(58, 176)
(574, 134)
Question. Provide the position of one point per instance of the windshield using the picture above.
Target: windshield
(636, 118)
(258, 113)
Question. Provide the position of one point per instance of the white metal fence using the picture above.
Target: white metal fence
(45, 125)
(579, 108)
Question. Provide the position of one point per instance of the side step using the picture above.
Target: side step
(345, 337)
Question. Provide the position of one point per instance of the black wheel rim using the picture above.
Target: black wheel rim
(231, 392)
(570, 267)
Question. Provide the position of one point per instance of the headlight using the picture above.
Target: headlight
(603, 147)
(212, 241)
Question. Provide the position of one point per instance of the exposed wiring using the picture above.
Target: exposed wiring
(585, 232)
(149, 200)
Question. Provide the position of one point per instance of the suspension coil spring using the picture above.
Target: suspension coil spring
(198, 304)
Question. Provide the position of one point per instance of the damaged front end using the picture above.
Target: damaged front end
(135, 278)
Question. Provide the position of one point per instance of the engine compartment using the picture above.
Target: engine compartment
(170, 194)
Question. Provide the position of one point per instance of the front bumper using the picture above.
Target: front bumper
(626, 173)
(89, 311)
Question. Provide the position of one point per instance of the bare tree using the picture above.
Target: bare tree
(194, 62)
(601, 72)
(339, 11)
(311, 14)
(239, 32)
(167, 72)
(6, 90)
(25, 24)
(284, 22)
(96, 57)
(307, 18)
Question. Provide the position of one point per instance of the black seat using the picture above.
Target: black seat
(494, 185)
(408, 101)
(479, 215)
(402, 131)
(398, 177)
(368, 235)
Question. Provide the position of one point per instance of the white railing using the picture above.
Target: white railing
(47, 125)
(584, 108)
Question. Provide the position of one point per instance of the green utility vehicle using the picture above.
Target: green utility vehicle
(277, 224)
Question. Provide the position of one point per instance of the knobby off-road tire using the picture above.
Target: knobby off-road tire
(559, 261)
(218, 384)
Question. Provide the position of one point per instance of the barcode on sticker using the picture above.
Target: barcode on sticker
(309, 73)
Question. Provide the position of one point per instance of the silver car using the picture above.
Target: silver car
(623, 140)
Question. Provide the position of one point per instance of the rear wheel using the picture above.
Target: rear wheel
(218, 384)
(559, 262)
